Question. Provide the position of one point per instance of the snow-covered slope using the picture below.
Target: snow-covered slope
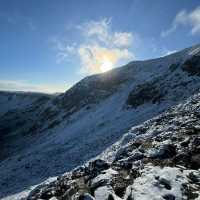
(18, 100)
(159, 159)
(17, 113)
(61, 132)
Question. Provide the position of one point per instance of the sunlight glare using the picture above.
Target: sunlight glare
(106, 66)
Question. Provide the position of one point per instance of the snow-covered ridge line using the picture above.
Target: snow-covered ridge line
(18, 100)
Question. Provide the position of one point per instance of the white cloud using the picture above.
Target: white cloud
(122, 39)
(101, 31)
(195, 20)
(97, 30)
(185, 18)
(94, 56)
(100, 44)
(63, 50)
(18, 85)
(169, 31)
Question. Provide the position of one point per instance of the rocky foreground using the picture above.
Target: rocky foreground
(159, 159)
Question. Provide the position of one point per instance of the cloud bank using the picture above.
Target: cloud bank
(185, 18)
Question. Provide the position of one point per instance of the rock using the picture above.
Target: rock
(79, 172)
(136, 156)
(102, 179)
(46, 195)
(85, 196)
(192, 130)
(195, 146)
(185, 143)
(192, 65)
(169, 197)
(43, 192)
(194, 177)
(196, 141)
(121, 153)
(110, 197)
(97, 184)
(135, 172)
(119, 184)
(123, 164)
(129, 197)
(195, 161)
(147, 92)
(190, 192)
(165, 183)
(183, 159)
(98, 165)
(71, 191)
(137, 144)
(166, 151)
(188, 159)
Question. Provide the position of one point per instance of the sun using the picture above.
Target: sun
(106, 66)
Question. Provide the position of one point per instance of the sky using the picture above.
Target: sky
(48, 45)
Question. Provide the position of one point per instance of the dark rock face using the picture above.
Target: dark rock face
(183, 159)
(16, 124)
(169, 86)
(89, 92)
(165, 183)
(143, 94)
(190, 157)
(166, 151)
(192, 66)
(98, 165)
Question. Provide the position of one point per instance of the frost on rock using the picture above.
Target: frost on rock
(160, 183)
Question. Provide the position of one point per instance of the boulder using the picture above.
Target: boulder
(192, 66)
(98, 165)
(165, 151)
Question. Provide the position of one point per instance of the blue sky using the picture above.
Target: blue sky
(49, 45)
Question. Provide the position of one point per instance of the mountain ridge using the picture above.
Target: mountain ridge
(82, 122)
